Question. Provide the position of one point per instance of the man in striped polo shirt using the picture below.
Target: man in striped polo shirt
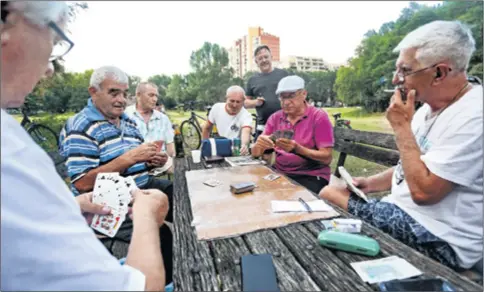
(102, 138)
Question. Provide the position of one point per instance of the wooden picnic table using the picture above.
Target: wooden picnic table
(301, 263)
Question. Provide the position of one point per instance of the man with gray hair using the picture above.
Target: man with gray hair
(102, 138)
(435, 205)
(51, 247)
(231, 118)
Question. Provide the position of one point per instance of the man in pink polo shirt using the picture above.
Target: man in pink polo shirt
(306, 157)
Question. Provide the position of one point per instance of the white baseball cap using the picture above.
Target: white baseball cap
(290, 83)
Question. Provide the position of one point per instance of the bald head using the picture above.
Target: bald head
(235, 97)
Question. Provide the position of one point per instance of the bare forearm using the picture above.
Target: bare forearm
(245, 136)
(324, 155)
(207, 129)
(144, 253)
(170, 149)
(86, 183)
(381, 182)
(416, 172)
(250, 103)
(256, 151)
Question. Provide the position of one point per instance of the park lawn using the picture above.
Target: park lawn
(359, 121)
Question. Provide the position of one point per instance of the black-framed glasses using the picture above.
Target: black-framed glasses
(62, 46)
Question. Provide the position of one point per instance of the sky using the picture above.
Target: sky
(146, 38)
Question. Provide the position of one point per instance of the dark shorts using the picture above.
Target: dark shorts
(397, 223)
(312, 183)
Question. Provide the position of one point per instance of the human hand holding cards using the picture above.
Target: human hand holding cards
(286, 134)
(115, 192)
(349, 182)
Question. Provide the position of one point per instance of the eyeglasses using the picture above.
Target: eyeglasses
(62, 46)
(401, 75)
(289, 96)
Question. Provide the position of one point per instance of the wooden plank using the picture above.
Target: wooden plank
(384, 157)
(226, 252)
(390, 246)
(371, 138)
(193, 266)
(290, 274)
(324, 267)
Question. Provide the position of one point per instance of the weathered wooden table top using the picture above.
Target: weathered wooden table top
(301, 263)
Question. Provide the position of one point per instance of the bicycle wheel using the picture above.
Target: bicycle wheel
(45, 137)
(191, 135)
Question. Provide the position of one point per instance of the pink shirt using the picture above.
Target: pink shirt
(313, 131)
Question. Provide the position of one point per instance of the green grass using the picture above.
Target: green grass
(360, 120)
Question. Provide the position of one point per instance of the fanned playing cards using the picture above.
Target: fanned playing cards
(349, 182)
(113, 191)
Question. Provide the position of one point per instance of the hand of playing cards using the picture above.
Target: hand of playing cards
(115, 192)
(287, 134)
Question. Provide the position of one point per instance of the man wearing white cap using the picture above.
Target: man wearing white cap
(306, 156)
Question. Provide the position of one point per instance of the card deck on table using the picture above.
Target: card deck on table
(212, 183)
(113, 191)
(272, 177)
(240, 188)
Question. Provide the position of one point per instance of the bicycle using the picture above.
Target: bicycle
(191, 130)
(339, 122)
(44, 136)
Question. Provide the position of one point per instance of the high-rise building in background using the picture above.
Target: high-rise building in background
(241, 53)
(306, 64)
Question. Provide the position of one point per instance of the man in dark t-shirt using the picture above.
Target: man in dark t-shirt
(261, 87)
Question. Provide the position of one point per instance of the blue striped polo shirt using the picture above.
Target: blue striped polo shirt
(88, 140)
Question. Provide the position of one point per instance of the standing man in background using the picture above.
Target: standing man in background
(261, 88)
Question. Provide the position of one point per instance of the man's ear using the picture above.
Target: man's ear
(92, 90)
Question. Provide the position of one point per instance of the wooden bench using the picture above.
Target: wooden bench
(375, 147)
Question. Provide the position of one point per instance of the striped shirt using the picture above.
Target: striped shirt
(88, 140)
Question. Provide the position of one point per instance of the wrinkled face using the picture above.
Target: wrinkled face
(147, 97)
(263, 59)
(26, 49)
(234, 102)
(411, 74)
(293, 102)
(111, 99)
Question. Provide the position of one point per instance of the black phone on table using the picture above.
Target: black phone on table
(258, 273)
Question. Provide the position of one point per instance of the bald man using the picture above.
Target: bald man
(153, 124)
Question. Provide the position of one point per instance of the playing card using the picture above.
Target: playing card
(105, 189)
(288, 134)
(213, 182)
(272, 177)
(349, 182)
(131, 185)
(108, 224)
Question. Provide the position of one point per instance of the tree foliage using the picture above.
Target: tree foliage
(361, 82)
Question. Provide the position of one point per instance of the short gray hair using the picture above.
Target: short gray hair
(41, 13)
(441, 40)
(235, 88)
(143, 84)
(101, 74)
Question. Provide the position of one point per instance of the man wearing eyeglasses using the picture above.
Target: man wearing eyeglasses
(435, 205)
(307, 156)
(261, 87)
(46, 243)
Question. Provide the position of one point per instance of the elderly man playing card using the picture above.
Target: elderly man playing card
(101, 138)
(45, 243)
(300, 136)
(435, 204)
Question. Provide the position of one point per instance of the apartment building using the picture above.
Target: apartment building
(301, 63)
